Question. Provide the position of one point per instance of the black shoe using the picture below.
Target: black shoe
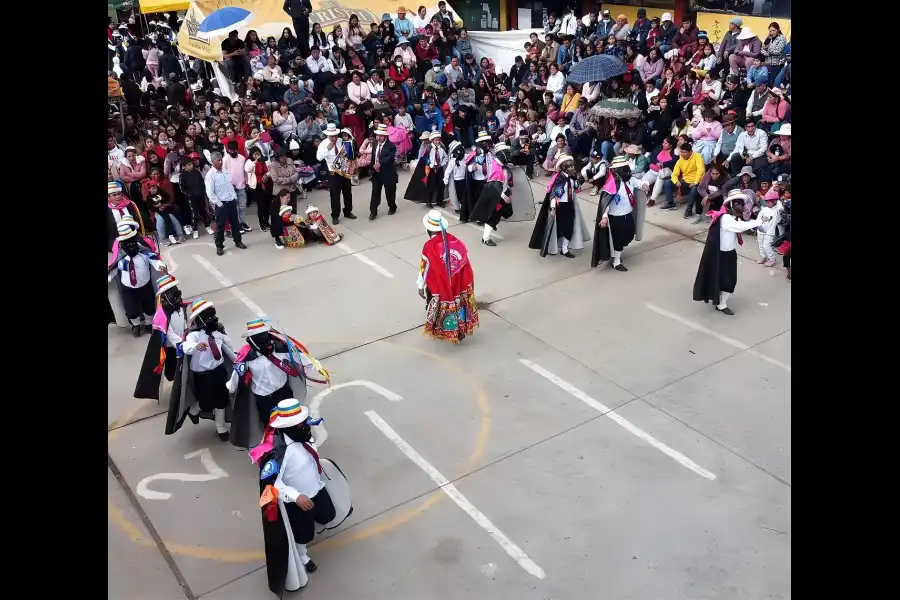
(264, 227)
(429, 205)
(456, 210)
(440, 205)
(246, 228)
(224, 436)
(569, 254)
(620, 267)
(725, 311)
(463, 220)
(349, 215)
(336, 220)
(480, 223)
(668, 207)
(147, 327)
(687, 215)
(392, 211)
(278, 244)
(488, 242)
(136, 330)
(311, 567)
(240, 245)
(372, 216)
(228, 233)
(195, 419)
(220, 251)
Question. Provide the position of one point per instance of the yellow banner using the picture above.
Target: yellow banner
(269, 18)
(716, 25)
(155, 6)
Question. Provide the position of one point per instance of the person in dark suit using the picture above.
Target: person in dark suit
(300, 10)
(384, 173)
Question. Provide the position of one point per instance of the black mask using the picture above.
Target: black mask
(263, 342)
(624, 173)
(208, 321)
(299, 433)
(131, 247)
(171, 300)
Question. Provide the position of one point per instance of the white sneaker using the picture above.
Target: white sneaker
(172, 239)
(188, 230)
(209, 230)
(195, 234)
(279, 245)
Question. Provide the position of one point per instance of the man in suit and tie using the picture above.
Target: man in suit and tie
(384, 173)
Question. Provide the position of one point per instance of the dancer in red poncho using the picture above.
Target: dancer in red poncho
(447, 283)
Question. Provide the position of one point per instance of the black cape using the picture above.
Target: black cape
(487, 202)
(183, 392)
(706, 284)
(543, 227)
(417, 190)
(148, 382)
(602, 250)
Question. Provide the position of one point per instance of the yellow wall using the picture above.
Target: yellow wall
(716, 25)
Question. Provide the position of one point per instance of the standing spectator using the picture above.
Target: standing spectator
(235, 54)
(384, 173)
(300, 11)
(233, 163)
(221, 194)
(258, 185)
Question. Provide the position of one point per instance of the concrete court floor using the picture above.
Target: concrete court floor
(682, 492)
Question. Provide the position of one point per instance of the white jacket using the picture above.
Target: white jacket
(250, 170)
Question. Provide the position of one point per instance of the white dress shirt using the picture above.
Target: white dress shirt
(358, 93)
(203, 360)
(477, 171)
(555, 83)
(755, 144)
(322, 65)
(142, 266)
(323, 152)
(623, 206)
(593, 172)
(299, 474)
(457, 170)
(218, 187)
(438, 157)
(266, 377)
(730, 228)
(175, 330)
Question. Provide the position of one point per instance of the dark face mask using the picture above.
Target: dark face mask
(131, 248)
(624, 173)
(171, 299)
(264, 343)
(299, 433)
(209, 322)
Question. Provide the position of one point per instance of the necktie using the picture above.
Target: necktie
(314, 454)
(132, 273)
(740, 240)
(378, 158)
(213, 347)
(484, 165)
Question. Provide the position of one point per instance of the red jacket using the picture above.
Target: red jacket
(242, 145)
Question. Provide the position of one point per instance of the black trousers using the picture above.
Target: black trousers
(338, 185)
(227, 212)
(200, 211)
(525, 160)
(263, 203)
(138, 301)
(303, 522)
(390, 194)
(209, 388)
(265, 404)
(434, 188)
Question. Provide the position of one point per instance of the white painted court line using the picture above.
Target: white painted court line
(722, 338)
(235, 291)
(619, 420)
(364, 259)
(516, 553)
(315, 405)
(167, 251)
(472, 225)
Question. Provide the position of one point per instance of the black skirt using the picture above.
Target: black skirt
(303, 522)
(138, 301)
(565, 220)
(727, 271)
(209, 388)
(622, 230)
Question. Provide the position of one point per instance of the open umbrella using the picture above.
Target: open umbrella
(613, 108)
(223, 20)
(599, 67)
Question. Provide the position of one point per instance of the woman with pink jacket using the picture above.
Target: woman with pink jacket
(774, 110)
(132, 169)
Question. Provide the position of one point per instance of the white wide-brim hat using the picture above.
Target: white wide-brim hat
(381, 130)
(500, 146)
(126, 231)
(312, 208)
(288, 413)
(562, 158)
(435, 135)
(197, 307)
(435, 221)
(482, 137)
(284, 209)
(164, 283)
(736, 195)
(784, 130)
(454, 145)
(257, 326)
(331, 130)
(746, 33)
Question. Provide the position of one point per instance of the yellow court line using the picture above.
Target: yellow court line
(343, 538)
